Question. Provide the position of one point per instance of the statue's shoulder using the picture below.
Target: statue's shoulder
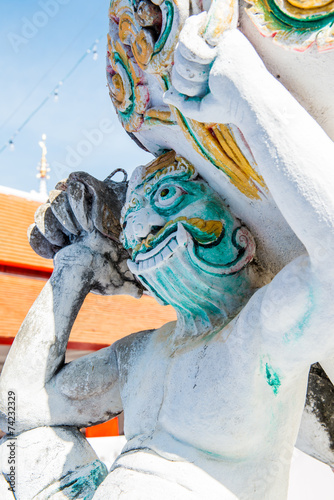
(140, 341)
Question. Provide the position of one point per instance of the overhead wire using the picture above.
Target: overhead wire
(47, 72)
(10, 142)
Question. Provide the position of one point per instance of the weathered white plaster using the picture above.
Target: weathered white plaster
(307, 75)
(309, 478)
(45, 455)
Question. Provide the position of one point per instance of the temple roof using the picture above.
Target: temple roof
(16, 215)
(101, 321)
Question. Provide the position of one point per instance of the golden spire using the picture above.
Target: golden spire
(43, 168)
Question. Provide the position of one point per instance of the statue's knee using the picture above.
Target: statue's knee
(51, 460)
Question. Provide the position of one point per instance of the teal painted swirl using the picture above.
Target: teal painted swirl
(314, 22)
(159, 45)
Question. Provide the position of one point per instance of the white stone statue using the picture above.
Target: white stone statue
(295, 39)
(212, 402)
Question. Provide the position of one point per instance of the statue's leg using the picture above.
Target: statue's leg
(52, 463)
(144, 475)
(125, 484)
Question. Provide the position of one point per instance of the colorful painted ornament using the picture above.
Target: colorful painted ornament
(295, 24)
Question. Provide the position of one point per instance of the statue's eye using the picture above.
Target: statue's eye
(167, 196)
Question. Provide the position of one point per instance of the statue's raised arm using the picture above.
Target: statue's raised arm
(79, 226)
(293, 153)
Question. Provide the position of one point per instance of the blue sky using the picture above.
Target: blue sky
(40, 42)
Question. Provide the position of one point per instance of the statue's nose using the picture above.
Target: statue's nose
(146, 222)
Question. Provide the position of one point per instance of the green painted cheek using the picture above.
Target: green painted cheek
(224, 251)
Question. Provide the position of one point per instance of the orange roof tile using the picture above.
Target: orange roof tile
(16, 215)
(101, 321)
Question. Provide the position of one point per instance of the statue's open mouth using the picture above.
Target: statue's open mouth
(184, 234)
(183, 231)
(162, 251)
(203, 231)
(155, 248)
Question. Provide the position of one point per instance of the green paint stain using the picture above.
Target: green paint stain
(272, 379)
(297, 332)
(73, 486)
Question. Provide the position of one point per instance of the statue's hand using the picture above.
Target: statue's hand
(79, 224)
(193, 58)
(210, 83)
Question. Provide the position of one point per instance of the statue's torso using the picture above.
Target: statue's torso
(222, 402)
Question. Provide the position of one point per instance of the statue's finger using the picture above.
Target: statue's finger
(105, 205)
(188, 87)
(192, 71)
(49, 226)
(40, 244)
(61, 209)
(62, 185)
(81, 204)
(83, 177)
(192, 45)
(222, 16)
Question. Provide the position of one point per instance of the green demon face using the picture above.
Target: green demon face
(174, 222)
